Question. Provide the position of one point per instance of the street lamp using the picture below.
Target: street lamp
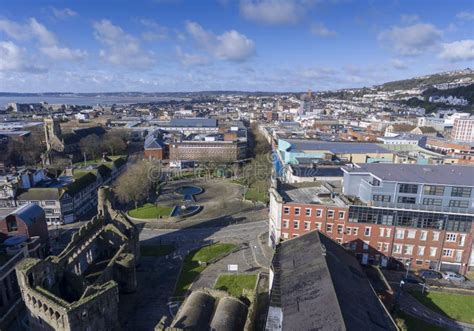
(408, 264)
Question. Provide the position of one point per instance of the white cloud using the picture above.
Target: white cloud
(465, 15)
(63, 53)
(462, 50)
(155, 31)
(274, 11)
(14, 30)
(45, 37)
(320, 30)
(411, 40)
(398, 64)
(187, 59)
(12, 58)
(231, 45)
(63, 13)
(48, 43)
(122, 49)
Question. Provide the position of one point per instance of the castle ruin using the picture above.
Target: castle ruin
(79, 288)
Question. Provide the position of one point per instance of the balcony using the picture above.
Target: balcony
(415, 206)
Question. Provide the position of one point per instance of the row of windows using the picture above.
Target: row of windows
(409, 218)
(421, 251)
(463, 192)
(319, 212)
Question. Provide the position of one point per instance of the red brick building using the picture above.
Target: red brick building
(372, 243)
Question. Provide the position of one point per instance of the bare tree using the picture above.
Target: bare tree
(113, 143)
(134, 184)
(91, 146)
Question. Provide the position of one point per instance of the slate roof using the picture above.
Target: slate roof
(320, 286)
(30, 213)
(39, 193)
(194, 122)
(335, 147)
(417, 173)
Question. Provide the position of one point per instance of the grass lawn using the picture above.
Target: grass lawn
(156, 250)
(235, 284)
(408, 323)
(191, 268)
(253, 195)
(149, 210)
(456, 306)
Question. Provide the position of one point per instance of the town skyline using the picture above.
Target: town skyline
(165, 46)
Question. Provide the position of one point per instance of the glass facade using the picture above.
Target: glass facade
(410, 218)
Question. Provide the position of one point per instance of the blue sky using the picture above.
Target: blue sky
(253, 45)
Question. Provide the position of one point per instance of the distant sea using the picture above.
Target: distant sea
(84, 100)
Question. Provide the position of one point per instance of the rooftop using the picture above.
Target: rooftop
(318, 285)
(417, 173)
(335, 147)
(194, 122)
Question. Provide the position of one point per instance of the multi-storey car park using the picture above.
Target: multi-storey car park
(416, 214)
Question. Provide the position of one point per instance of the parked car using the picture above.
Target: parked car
(429, 274)
(412, 279)
(453, 276)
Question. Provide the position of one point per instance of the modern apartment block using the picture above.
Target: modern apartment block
(463, 130)
(412, 213)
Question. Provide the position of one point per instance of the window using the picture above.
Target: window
(11, 224)
(458, 203)
(367, 231)
(50, 203)
(366, 245)
(462, 239)
(308, 211)
(341, 215)
(379, 246)
(407, 249)
(447, 252)
(406, 200)
(340, 229)
(353, 246)
(433, 251)
(330, 213)
(397, 249)
(385, 247)
(306, 226)
(381, 232)
(297, 211)
(421, 250)
(348, 230)
(355, 231)
(423, 235)
(463, 192)
(389, 233)
(319, 212)
(286, 210)
(432, 202)
(318, 226)
(296, 224)
(408, 188)
(411, 234)
(400, 234)
(458, 256)
(450, 237)
(435, 236)
(382, 198)
(285, 224)
(328, 227)
(433, 190)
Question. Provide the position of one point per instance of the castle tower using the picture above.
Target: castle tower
(52, 129)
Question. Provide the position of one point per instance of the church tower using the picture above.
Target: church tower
(52, 131)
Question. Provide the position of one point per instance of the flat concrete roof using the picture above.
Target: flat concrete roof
(418, 173)
(335, 147)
